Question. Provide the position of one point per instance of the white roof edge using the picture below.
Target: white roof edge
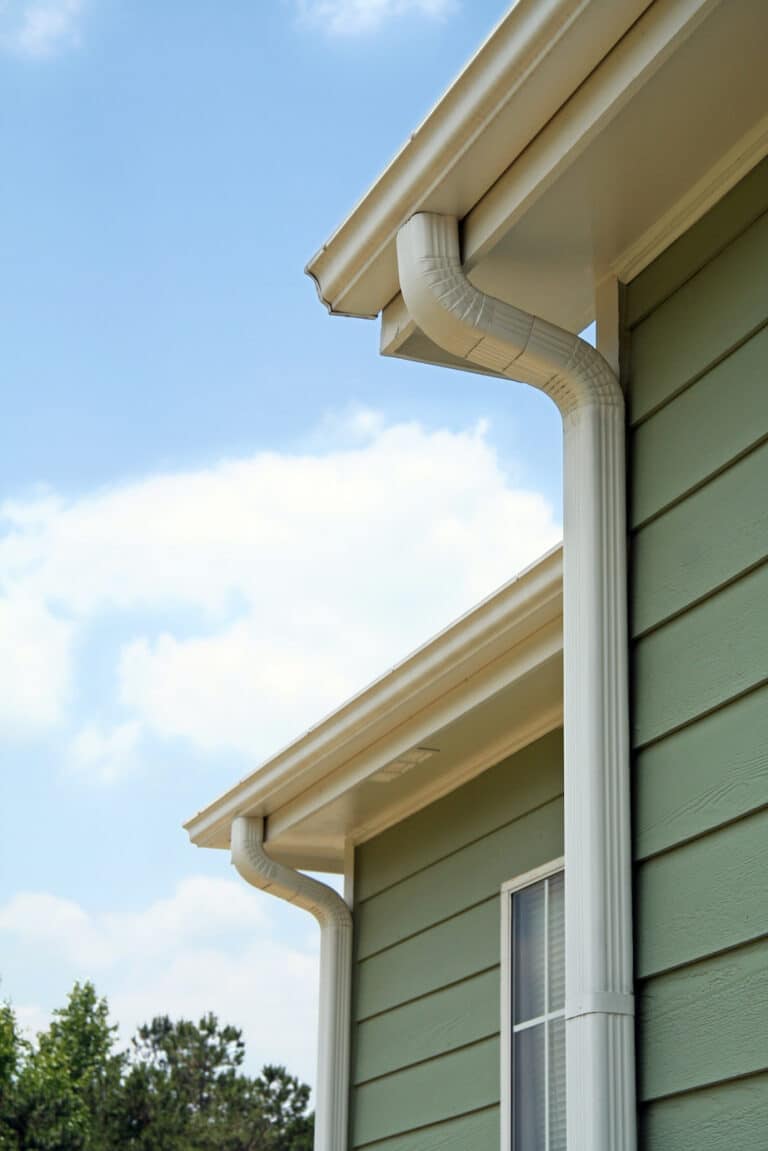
(513, 52)
(403, 690)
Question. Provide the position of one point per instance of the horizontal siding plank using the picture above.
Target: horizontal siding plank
(703, 542)
(447, 953)
(467, 877)
(699, 432)
(705, 1023)
(428, 1027)
(703, 776)
(733, 1116)
(525, 780)
(710, 314)
(700, 244)
(714, 652)
(455, 1084)
(476, 1132)
(707, 896)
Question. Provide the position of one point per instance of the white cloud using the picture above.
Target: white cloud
(31, 1018)
(357, 17)
(201, 908)
(105, 755)
(267, 989)
(35, 656)
(208, 947)
(39, 28)
(46, 921)
(236, 689)
(299, 578)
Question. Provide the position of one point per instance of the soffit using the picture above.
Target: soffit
(524, 704)
(488, 684)
(672, 115)
(539, 54)
(690, 109)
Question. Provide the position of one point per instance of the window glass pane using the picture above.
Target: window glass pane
(529, 1090)
(557, 1085)
(556, 943)
(528, 953)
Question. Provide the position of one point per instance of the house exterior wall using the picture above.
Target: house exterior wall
(696, 369)
(426, 988)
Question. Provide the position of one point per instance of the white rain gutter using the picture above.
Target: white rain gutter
(335, 919)
(598, 913)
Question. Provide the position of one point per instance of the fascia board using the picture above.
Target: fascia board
(630, 65)
(641, 53)
(537, 57)
(509, 668)
(448, 663)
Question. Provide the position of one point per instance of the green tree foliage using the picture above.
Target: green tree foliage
(180, 1087)
(61, 1089)
(10, 1054)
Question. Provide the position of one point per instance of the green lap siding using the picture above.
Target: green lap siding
(478, 1129)
(426, 991)
(732, 1115)
(696, 376)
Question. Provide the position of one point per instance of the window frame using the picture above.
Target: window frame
(509, 888)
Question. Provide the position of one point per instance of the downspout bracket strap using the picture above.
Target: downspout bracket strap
(601, 1003)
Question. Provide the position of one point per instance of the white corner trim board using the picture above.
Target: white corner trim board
(335, 919)
(598, 913)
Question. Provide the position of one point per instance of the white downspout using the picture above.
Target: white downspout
(335, 919)
(598, 892)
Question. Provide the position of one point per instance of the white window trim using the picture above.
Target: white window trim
(527, 879)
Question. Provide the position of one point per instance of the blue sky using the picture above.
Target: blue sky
(221, 511)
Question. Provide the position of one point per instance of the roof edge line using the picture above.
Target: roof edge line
(390, 697)
(510, 54)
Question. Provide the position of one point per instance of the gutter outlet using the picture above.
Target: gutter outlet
(490, 333)
(335, 919)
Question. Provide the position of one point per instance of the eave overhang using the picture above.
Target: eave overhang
(486, 686)
(579, 141)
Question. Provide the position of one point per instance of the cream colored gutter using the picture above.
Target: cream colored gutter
(430, 688)
(492, 334)
(335, 919)
(540, 53)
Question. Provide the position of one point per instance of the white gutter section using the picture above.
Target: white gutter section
(335, 919)
(517, 627)
(598, 914)
(541, 52)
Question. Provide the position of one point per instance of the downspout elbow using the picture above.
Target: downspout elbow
(335, 918)
(492, 334)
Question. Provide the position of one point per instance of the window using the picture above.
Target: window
(533, 1011)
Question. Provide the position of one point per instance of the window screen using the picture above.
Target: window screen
(537, 999)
